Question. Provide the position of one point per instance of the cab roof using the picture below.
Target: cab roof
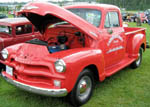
(13, 21)
(96, 6)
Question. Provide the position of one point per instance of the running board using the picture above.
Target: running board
(117, 67)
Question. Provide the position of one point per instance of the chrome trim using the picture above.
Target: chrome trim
(37, 90)
(4, 52)
(94, 34)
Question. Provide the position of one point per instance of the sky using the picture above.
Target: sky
(4, 1)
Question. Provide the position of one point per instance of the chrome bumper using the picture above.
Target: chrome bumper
(37, 90)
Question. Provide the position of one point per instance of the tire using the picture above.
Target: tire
(144, 21)
(137, 62)
(83, 88)
(2, 67)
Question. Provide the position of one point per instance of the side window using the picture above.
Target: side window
(6, 29)
(112, 20)
(107, 21)
(23, 29)
(19, 29)
(28, 28)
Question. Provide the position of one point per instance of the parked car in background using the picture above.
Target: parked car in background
(16, 30)
(124, 16)
(147, 12)
(3, 16)
(133, 17)
(129, 17)
(143, 17)
(91, 44)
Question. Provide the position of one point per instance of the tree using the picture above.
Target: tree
(128, 4)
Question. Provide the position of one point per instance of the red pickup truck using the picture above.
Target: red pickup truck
(82, 43)
(15, 30)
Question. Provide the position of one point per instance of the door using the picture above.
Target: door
(114, 39)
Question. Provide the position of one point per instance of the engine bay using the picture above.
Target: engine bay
(62, 37)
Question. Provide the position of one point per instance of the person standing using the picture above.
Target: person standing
(128, 18)
(138, 20)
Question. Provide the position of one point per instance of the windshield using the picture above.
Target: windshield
(91, 15)
(5, 29)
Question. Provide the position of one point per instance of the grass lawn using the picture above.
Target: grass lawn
(127, 88)
(9, 15)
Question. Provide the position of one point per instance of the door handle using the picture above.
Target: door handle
(110, 31)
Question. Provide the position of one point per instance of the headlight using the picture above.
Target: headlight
(60, 65)
(4, 53)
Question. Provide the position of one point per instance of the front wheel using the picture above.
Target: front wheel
(137, 62)
(83, 89)
(2, 67)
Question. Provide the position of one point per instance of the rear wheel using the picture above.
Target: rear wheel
(83, 89)
(137, 63)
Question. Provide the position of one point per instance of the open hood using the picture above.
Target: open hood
(40, 14)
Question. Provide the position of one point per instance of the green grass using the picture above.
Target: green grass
(10, 16)
(127, 88)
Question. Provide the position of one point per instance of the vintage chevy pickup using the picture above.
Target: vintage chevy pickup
(82, 43)
(15, 30)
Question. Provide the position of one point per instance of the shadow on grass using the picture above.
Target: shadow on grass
(41, 101)
(117, 78)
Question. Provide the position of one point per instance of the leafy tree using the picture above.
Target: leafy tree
(128, 4)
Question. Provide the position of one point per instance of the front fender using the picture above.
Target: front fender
(80, 59)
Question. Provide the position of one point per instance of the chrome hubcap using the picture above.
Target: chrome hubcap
(84, 87)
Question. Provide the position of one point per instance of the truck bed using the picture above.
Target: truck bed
(133, 36)
(133, 30)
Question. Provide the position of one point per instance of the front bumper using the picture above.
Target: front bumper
(37, 90)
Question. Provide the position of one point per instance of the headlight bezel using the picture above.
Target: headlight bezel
(60, 66)
(5, 54)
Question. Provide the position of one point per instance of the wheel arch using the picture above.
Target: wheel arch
(94, 70)
(2, 66)
(138, 41)
(92, 59)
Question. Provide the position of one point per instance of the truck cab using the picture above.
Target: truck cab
(80, 44)
(15, 30)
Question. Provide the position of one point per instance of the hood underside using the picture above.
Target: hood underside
(41, 22)
(43, 14)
